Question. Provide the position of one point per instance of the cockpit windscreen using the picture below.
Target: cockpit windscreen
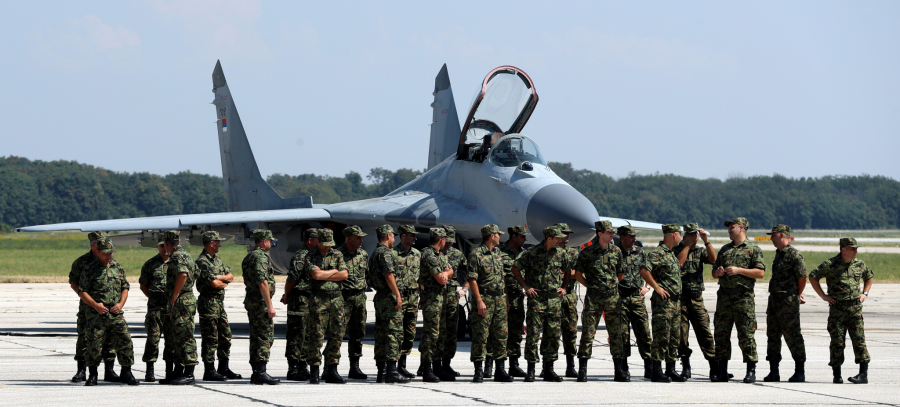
(512, 150)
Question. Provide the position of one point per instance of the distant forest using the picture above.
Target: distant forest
(40, 192)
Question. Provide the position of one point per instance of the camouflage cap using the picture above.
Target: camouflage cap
(779, 228)
(94, 236)
(516, 230)
(670, 228)
(691, 228)
(105, 245)
(353, 231)
(211, 235)
(564, 227)
(740, 221)
(406, 229)
(311, 233)
(488, 230)
(553, 231)
(603, 226)
(263, 234)
(626, 230)
(451, 233)
(160, 239)
(171, 236)
(385, 229)
(848, 242)
(437, 232)
(326, 237)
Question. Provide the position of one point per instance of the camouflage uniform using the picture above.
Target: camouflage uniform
(568, 308)
(214, 326)
(109, 354)
(407, 276)
(388, 319)
(845, 315)
(432, 302)
(450, 315)
(353, 289)
(298, 304)
(783, 311)
(634, 308)
(663, 266)
(326, 307)
(153, 275)
(486, 268)
(257, 268)
(543, 270)
(105, 285)
(735, 304)
(693, 310)
(182, 313)
(600, 268)
(516, 298)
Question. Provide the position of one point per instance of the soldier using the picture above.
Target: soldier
(103, 287)
(259, 284)
(214, 326)
(544, 281)
(511, 250)
(738, 265)
(486, 279)
(296, 296)
(569, 307)
(662, 272)
(406, 276)
(388, 307)
(843, 274)
(181, 272)
(153, 285)
(783, 313)
(693, 310)
(450, 316)
(109, 354)
(353, 289)
(599, 268)
(631, 299)
(434, 275)
(327, 271)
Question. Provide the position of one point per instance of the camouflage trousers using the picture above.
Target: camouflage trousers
(355, 322)
(156, 322)
(569, 324)
(783, 319)
(215, 331)
(107, 330)
(298, 312)
(666, 324)
(108, 352)
(410, 311)
(182, 317)
(634, 312)
(693, 312)
(516, 316)
(735, 308)
(543, 317)
(843, 317)
(596, 303)
(449, 324)
(432, 309)
(262, 330)
(491, 327)
(388, 328)
(325, 323)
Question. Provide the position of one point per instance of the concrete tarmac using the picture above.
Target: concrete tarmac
(37, 341)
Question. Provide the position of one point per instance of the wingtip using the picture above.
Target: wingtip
(442, 80)
(218, 76)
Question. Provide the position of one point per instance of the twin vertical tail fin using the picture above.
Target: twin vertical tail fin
(445, 121)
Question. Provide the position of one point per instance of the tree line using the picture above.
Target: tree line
(39, 192)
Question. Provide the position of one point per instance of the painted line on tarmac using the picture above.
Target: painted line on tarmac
(476, 399)
(825, 394)
(268, 403)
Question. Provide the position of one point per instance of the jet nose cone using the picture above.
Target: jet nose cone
(560, 203)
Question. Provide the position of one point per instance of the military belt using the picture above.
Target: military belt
(440, 289)
(629, 292)
(327, 294)
(350, 293)
(601, 293)
(491, 293)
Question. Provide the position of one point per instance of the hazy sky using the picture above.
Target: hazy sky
(701, 89)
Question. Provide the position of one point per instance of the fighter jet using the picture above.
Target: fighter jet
(485, 172)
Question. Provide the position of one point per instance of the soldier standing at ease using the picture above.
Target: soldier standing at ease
(326, 270)
(408, 259)
(599, 268)
(153, 285)
(450, 315)
(214, 326)
(181, 273)
(693, 310)
(109, 354)
(296, 296)
(569, 304)
(434, 275)
(663, 274)
(388, 307)
(353, 289)
(843, 274)
(511, 249)
(486, 280)
(631, 299)
(544, 281)
(103, 287)
(737, 267)
(259, 284)
(783, 313)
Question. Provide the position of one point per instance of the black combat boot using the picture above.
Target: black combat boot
(392, 375)
(440, 373)
(380, 368)
(774, 375)
(713, 370)
(799, 373)
(619, 373)
(500, 374)
(685, 368)
(625, 369)
(401, 368)
(127, 377)
(648, 368)
(446, 366)
(109, 374)
(355, 373)
(514, 369)
(92, 376)
(549, 374)
(478, 377)
(836, 372)
(570, 366)
(671, 373)
(488, 367)
(293, 373)
(225, 371)
(186, 378)
(313, 374)
(170, 370)
(210, 374)
(150, 376)
(723, 372)
(658, 376)
(863, 376)
(428, 375)
(751, 373)
(421, 367)
(582, 369)
(260, 376)
(529, 376)
(332, 376)
(79, 374)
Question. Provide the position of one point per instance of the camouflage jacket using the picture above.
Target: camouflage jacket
(433, 262)
(383, 261)
(79, 264)
(542, 269)
(357, 265)
(257, 268)
(153, 275)
(486, 268)
(664, 268)
(508, 259)
(571, 259)
(180, 262)
(294, 273)
(408, 263)
(103, 283)
(457, 261)
(745, 255)
(787, 268)
(692, 269)
(600, 267)
(632, 261)
(331, 260)
(843, 279)
(210, 266)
